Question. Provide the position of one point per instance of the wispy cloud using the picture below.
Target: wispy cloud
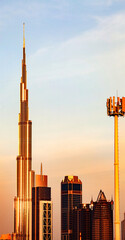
(89, 54)
(30, 9)
(102, 2)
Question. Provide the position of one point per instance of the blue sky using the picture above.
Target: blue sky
(75, 60)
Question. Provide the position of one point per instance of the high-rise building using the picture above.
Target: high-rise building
(102, 218)
(25, 175)
(123, 228)
(71, 197)
(82, 224)
(5, 237)
(41, 209)
(93, 221)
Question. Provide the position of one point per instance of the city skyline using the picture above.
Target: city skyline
(75, 60)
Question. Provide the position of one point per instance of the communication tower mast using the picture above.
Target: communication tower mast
(116, 109)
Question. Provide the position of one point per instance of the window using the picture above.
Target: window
(49, 229)
(49, 237)
(49, 221)
(64, 221)
(44, 214)
(49, 214)
(65, 187)
(70, 186)
(76, 200)
(44, 206)
(44, 221)
(64, 201)
(49, 206)
(77, 187)
(44, 237)
(44, 229)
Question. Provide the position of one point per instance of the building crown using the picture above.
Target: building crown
(101, 196)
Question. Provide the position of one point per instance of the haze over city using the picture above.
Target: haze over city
(75, 55)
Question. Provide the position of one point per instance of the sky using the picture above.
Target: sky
(75, 54)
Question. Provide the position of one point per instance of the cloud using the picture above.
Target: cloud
(30, 9)
(43, 9)
(103, 2)
(85, 55)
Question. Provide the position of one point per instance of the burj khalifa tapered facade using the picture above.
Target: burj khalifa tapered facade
(25, 175)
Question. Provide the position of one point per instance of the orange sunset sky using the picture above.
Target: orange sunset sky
(75, 55)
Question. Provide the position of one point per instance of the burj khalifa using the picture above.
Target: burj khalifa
(25, 175)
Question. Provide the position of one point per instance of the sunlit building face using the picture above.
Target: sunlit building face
(25, 175)
(45, 224)
(102, 218)
(41, 213)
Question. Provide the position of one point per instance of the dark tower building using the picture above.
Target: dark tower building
(71, 197)
(123, 228)
(82, 222)
(41, 209)
(102, 219)
(93, 221)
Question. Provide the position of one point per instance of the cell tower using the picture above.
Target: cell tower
(116, 109)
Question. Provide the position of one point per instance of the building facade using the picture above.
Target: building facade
(5, 237)
(82, 224)
(45, 218)
(71, 197)
(32, 205)
(93, 221)
(41, 209)
(123, 228)
(102, 218)
(25, 175)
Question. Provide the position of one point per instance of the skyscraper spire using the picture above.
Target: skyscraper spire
(23, 35)
(25, 175)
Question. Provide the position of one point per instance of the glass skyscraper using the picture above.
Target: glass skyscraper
(71, 196)
(93, 221)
